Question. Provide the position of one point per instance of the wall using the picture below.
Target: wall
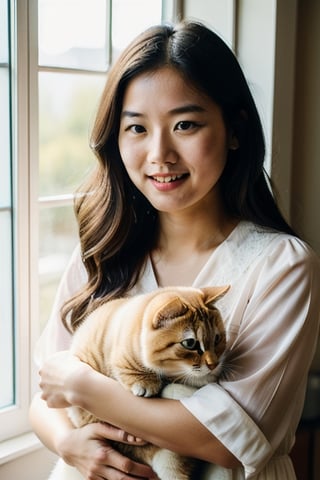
(305, 201)
(32, 466)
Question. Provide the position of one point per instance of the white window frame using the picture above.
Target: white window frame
(14, 419)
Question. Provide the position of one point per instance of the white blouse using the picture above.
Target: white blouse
(271, 314)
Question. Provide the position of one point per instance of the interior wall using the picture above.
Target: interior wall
(305, 198)
(32, 466)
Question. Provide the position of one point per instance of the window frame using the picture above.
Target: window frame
(6, 209)
(14, 418)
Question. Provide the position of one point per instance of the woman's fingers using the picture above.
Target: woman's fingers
(106, 462)
(112, 465)
(123, 465)
(113, 433)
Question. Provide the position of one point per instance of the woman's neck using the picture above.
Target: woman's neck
(185, 245)
(195, 232)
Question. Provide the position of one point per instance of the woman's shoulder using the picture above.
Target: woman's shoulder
(261, 261)
(278, 246)
(250, 249)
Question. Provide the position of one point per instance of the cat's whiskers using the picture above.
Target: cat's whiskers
(184, 377)
(228, 369)
(196, 376)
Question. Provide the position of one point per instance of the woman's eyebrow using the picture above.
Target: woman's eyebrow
(177, 110)
(189, 108)
(130, 114)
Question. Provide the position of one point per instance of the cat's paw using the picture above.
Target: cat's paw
(141, 390)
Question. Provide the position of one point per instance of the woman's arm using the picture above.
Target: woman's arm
(163, 422)
(50, 425)
(85, 448)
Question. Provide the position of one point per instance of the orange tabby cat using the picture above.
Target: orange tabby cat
(146, 341)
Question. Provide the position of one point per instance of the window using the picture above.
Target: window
(49, 88)
(72, 71)
(6, 219)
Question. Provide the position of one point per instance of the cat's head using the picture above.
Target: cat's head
(183, 334)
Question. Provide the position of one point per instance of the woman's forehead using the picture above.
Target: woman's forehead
(166, 85)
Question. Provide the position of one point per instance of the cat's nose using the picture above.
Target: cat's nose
(211, 365)
(211, 362)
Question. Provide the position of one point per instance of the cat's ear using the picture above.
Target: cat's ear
(169, 312)
(212, 294)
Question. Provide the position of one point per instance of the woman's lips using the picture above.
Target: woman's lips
(167, 182)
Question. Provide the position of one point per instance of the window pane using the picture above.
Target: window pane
(5, 182)
(67, 105)
(129, 18)
(6, 267)
(74, 33)
(58, 238)
(3, 31)
(6, 311)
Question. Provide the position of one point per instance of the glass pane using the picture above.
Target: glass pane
(129, 18)
(73, 33)
(67, 106)
(5, 181)
(4, 31)
(6, 267)
(58, 238)
(6, 312)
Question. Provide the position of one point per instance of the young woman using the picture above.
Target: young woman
(180, 197)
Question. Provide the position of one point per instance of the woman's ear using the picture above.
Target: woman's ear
(233, 143)
(237, 127)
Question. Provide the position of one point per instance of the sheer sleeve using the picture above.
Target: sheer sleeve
(55, 336)
(258, 404)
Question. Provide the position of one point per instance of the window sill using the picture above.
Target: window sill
(18, 446)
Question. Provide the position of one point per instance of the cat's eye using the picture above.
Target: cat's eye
(190, 343)
(217, 339)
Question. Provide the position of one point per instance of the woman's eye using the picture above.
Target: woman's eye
(185, 125)
(135, 129)
(190, 343)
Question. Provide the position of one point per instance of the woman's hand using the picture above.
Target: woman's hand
(88, 449)
(58, 376)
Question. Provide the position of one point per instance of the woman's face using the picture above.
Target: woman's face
(172, 140)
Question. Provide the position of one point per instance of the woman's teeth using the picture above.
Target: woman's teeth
(167, 179)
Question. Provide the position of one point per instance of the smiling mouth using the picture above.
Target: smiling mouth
(168, 178)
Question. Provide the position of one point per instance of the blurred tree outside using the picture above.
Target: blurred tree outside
(67, 106)
(66, 111)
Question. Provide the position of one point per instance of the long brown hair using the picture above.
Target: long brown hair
(117, 225)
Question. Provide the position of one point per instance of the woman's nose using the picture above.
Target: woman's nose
(161, 149)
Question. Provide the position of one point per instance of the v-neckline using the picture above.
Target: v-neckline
(196, 282)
